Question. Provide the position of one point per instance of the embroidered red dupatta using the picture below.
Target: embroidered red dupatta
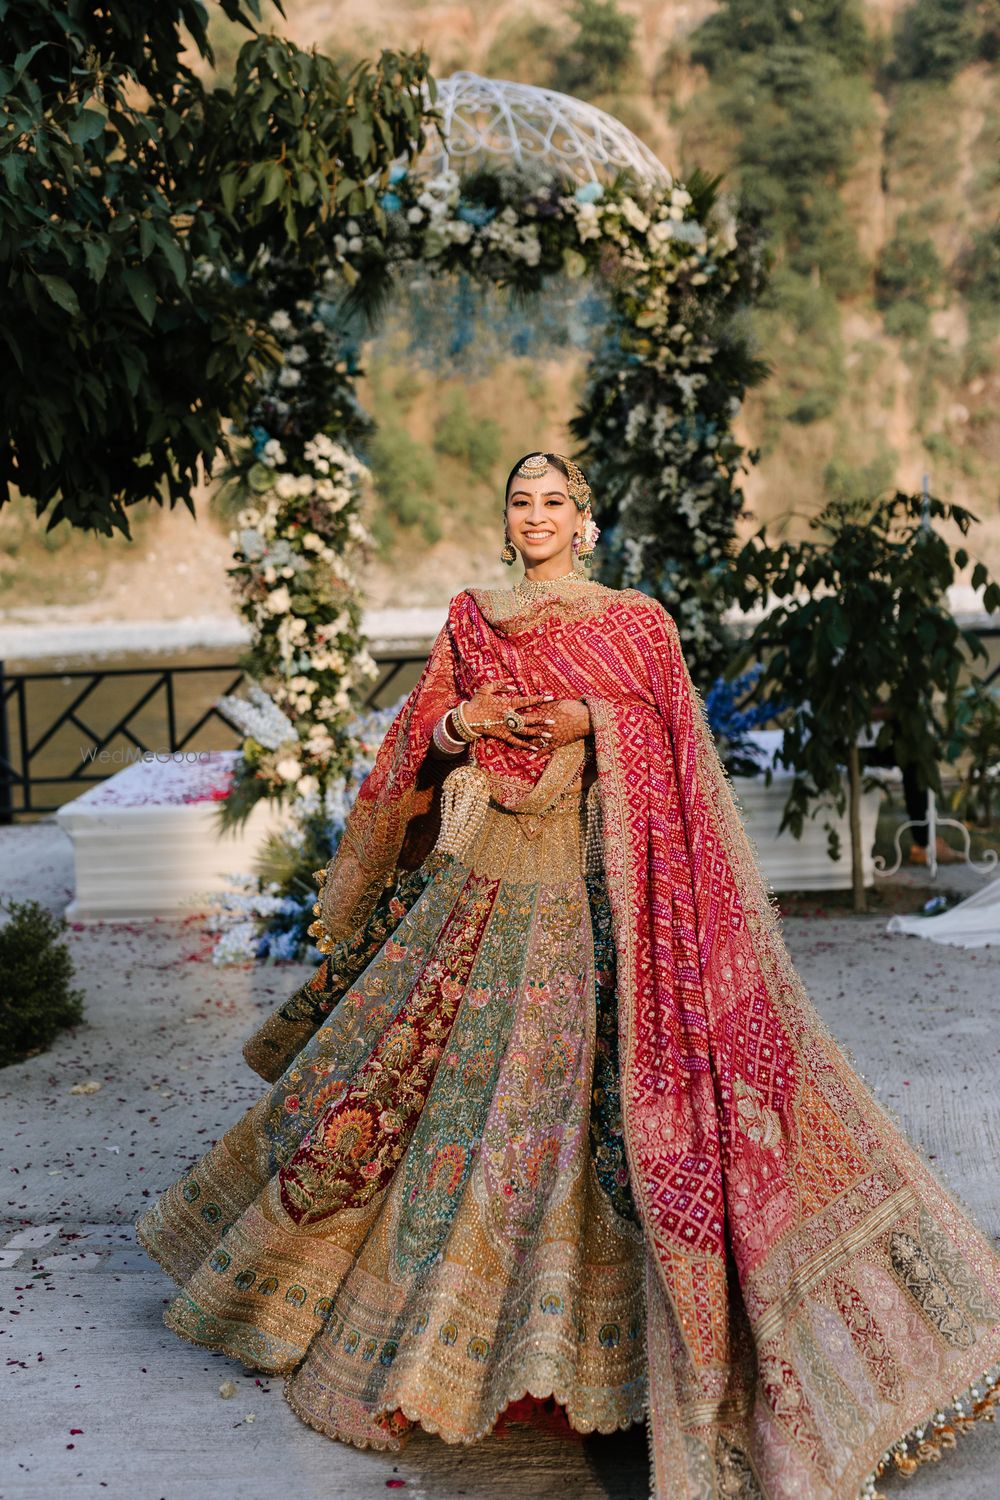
(813, 1294)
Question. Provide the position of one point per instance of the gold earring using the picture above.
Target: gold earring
(508, 554)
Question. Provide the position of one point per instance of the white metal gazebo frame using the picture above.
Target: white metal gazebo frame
(491, 119)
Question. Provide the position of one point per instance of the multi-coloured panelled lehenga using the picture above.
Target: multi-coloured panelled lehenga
(555, 1117)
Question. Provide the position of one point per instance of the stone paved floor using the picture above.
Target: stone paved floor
(102, 1401)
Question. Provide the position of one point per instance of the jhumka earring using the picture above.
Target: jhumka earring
(508, 553)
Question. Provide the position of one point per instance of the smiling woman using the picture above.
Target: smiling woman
(556, 1117)
(548, 517)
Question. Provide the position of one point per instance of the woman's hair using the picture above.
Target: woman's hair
(554, 460)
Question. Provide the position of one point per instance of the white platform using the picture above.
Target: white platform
(792, 864)
(146, 842)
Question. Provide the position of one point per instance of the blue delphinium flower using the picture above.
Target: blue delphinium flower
(260, 436)
(476, 213)
(397, 174)
(589, 192)
(731, 725)
(391, 202)
(285, 945)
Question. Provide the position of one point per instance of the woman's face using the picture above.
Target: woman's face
(541, 518)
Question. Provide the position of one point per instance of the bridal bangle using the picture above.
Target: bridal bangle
(450, 743)
(463, 728)
(445, 741)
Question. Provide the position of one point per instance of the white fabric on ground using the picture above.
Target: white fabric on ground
(973, 923)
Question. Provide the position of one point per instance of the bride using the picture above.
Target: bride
(554, 1117)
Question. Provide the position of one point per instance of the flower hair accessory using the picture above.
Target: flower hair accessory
(583, 545)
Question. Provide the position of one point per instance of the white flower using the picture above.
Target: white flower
(459, 231)
(296, 354)
(308, 786)
(258, 715)
(286, 486)
(588, 224)
(273, 452)
(288, 376)
(661, 231)
(280, 321)
(355, 244)
(414, 215)
(634, 215)
(279, 600)
(288, 768)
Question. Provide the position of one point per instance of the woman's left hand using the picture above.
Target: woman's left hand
(554, 724)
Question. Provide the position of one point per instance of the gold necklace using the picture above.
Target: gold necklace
(531, 588)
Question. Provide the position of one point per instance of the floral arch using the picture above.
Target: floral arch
(514, 184)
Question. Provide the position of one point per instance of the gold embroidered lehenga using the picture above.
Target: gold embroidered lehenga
(555, 1117)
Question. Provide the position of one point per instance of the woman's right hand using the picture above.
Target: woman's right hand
(486, 709)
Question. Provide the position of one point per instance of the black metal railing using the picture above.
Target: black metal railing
(46, 717)
(32, 721)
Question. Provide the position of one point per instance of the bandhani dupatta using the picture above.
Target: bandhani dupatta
(813, 1294)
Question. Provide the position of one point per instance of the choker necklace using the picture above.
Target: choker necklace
(529, 588)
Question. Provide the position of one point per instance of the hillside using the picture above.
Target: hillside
(877, 168)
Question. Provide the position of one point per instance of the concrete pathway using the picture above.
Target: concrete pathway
(102, 1401)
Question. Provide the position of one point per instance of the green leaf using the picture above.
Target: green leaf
(86, 126)
(96, 254)
(22, 59)
(174, 256)
(361, 137)
(227, 190)
(142, 292)
(60, 291)
(131, 368)
(13, 166)
(274, 182)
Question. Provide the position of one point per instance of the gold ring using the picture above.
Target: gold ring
(514, 721)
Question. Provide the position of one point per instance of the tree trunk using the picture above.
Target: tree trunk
(857, 853)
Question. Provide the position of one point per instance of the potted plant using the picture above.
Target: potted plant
(857, 629)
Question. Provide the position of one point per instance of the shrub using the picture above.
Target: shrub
(979, 269)
(745, 26)
(35, 972)
(523, 48)
(405, 476)
(908, 270)
(473, 440)
(935, 38)
(598, 58)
